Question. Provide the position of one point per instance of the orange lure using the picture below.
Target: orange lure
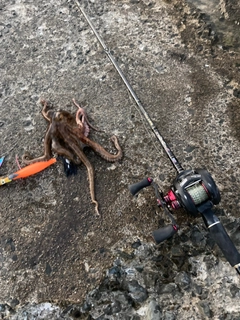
(27, 171)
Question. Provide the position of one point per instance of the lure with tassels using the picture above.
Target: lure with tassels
(27, 171)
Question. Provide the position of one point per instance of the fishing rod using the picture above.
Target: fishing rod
(192, 189)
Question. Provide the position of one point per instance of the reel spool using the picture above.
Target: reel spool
(198, 193)
(193, 188)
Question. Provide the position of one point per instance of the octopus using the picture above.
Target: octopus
(67, 135)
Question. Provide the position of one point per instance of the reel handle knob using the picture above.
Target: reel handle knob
(136, 187)
(164, 233)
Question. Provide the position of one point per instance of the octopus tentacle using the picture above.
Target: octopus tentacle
(82, 126)
(95, 146)
(75, 147)
(101, 151)
(62, 151)
(47, 114)
(90, 170)
(82, 119)
(47, 150)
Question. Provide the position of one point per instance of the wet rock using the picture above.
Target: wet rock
(136, 291)
(154, 311)
(177, 251)
(144, 250)
(10, 243)
(114, 308)
(86, 306)
(169, 316)
(197, 237)
(48, 269)
(139, 268)
(197, 290)
(183, 280)
(189, 148)
(236, 93)
(205, 309)
(235, 291)
(150, 277)
(14, 257)
(14, 303)
(75, 313)
(204, 295)
(136, 244)
(125, 255)
(167, 288)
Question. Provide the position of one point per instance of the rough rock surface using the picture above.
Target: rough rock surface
(57, 260)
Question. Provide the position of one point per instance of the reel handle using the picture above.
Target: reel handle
(136, 187)
(222, 239)
(164, 233)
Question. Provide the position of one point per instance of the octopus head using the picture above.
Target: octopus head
(63, 116)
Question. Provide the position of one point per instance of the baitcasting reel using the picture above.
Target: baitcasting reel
(196, 192)
(190, 190)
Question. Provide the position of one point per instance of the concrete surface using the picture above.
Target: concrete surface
(52, 246)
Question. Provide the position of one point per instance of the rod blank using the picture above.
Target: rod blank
(167, 149)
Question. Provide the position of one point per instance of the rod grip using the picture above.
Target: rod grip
(226, 245)
(136, 187)
(164, 233)
(222, 239)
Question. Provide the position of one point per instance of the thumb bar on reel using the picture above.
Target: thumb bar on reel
(167, 149)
